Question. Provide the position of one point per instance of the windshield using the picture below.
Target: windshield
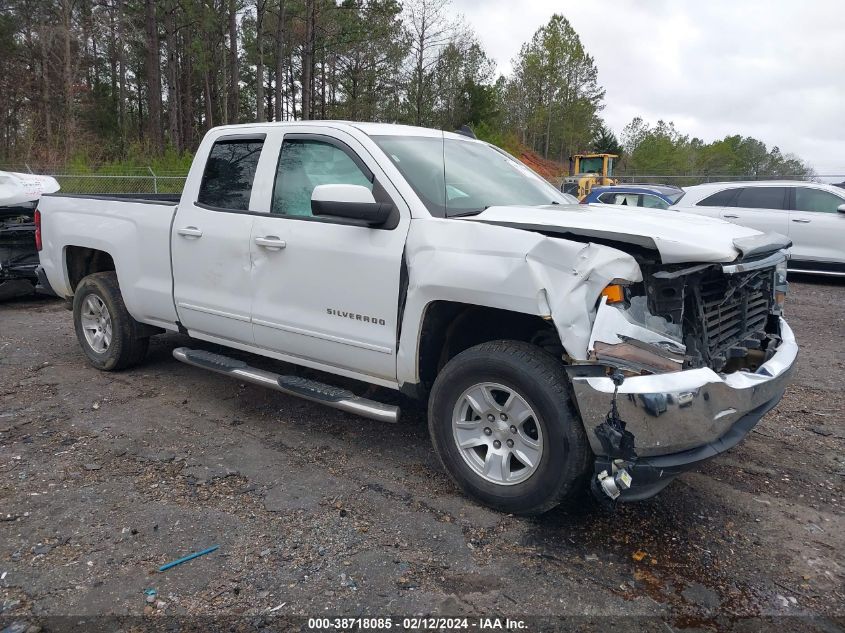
(590, 165)
(674, 197)
(454, 177)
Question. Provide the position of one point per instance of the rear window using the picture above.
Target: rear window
(230, 172)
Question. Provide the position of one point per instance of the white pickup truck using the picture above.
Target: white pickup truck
(556, 344)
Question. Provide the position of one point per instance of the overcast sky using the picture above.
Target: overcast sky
(772, 69)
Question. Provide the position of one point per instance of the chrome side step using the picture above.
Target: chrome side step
(292, 385)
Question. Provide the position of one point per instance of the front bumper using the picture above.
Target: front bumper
(673, 413)
(650, 475)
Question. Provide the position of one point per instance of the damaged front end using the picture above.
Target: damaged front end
(18, 255)
(687, 361)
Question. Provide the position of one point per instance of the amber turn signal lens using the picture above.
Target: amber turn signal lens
(780, 298)
(614, 293)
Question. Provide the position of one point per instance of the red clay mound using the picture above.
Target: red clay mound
(548, 169)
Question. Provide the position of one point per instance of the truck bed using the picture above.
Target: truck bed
(133, 229)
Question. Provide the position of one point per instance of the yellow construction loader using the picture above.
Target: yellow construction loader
(587, 171)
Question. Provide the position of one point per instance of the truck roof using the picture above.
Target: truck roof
(370, 129)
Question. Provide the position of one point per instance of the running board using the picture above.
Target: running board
(292, 385)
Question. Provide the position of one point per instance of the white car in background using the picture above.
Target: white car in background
(811, 214)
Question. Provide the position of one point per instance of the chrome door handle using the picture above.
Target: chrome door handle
(189, 231)
(801, 221)
(732, 217)
(271, 242)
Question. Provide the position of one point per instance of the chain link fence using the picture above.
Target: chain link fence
(688, 180)
(147, 180)
(109, 181)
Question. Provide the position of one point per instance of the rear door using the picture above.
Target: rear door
(816, 227)
(211, 246)
(761, 208)
(327, 290)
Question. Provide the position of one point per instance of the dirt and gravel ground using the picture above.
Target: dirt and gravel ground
(105, 477)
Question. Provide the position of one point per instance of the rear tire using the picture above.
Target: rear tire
(525, 451)
(107, 333)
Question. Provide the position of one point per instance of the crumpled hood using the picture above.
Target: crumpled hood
(678, 237)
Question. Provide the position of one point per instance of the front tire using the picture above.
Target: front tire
(107, 333)
(503, 425)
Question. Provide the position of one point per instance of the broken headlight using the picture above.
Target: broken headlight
(629, 337)
(781, 287)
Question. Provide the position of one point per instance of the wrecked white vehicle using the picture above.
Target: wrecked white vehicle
(19, 194)
(556, 344)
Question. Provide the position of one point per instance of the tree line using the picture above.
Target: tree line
(661, 149)
(98, 81)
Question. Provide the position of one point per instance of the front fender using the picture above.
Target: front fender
(506, 268)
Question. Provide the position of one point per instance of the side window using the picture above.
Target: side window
(229, 173)
(808, 199)
(762, 198)
(653, 202)
(722, 199)
(607, 198)
(304, 164)
(626, 199)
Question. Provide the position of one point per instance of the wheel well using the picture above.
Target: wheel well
(82, 261)
(449, 328)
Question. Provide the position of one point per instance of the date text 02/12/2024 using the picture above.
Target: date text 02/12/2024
(415, 623)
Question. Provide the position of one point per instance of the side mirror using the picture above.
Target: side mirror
(350, 202)
(841, 208)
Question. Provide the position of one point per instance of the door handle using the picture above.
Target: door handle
(801, 221)
(271, 242)
(732, 217)
(189, 231)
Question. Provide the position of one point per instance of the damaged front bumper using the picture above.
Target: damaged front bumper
(682, 418)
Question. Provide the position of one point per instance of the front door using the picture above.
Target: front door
(325, 290)
(211, 245)
(817, 228)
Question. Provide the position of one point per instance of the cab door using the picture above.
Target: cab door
(211, 247)
(326, 291)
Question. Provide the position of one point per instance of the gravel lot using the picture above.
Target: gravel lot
(105, 477)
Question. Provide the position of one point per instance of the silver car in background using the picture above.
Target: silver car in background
(811, 214)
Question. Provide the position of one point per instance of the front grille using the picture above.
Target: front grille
(734, 311)
(723, 316)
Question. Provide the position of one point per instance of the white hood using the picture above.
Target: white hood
(17, 189)
(678, 237)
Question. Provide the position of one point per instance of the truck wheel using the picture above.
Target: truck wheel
(504, 426)
(106, 331)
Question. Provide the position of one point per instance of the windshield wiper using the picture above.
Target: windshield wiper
(468, 213)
